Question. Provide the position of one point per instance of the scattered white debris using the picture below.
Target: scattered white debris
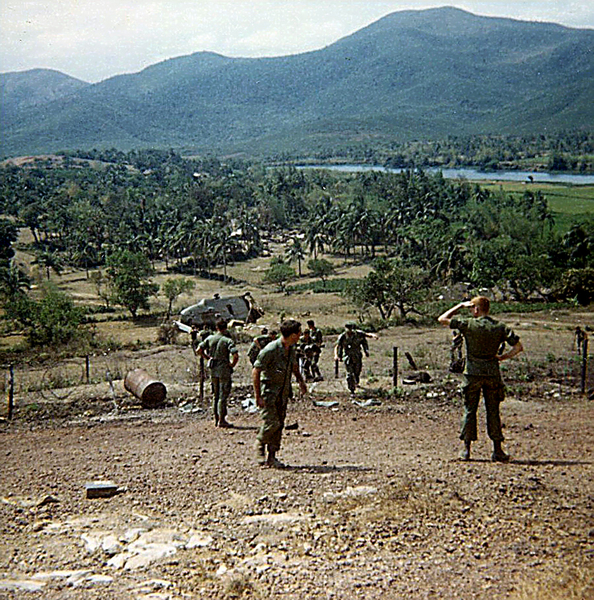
(199, 540)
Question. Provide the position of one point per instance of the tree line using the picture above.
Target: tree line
(567, 151)
(123, 211)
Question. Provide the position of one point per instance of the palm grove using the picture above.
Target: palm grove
(116, 214)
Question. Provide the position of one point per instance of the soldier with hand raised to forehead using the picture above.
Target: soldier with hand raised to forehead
(483, 336)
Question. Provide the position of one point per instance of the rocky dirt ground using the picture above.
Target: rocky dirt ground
(374, 502)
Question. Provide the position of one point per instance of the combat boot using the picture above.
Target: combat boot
(498, 454)
(465, 454)
(272, 462)
(260, 453)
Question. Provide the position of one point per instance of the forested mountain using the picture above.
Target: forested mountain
(33, 88)
(412, 74)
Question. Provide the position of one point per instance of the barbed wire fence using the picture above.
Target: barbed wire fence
(567, 367)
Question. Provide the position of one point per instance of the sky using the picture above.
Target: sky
(96, 39)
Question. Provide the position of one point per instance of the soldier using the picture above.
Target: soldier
(316, 334)
(305, 353)
(259, 342)
(271, 377)
(483, 336)
(222, 355)
(198, 335)
(318, 344)
(351, 344)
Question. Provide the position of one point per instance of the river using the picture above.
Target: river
(473, 174)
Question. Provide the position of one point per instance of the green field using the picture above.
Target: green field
(568, 202)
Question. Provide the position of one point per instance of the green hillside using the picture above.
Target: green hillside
(410, 75)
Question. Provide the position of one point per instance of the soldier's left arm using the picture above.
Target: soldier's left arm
(365, 346)
(234, 357)
(299, 378)
(514, 350)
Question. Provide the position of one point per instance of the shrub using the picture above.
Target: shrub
(53, 320)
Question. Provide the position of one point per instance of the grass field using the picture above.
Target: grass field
(567, 202)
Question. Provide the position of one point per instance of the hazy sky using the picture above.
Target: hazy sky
(95, 39)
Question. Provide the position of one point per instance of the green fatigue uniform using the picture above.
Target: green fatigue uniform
(309, 354)
(276, 366)
(220, 348)
(255, 347)
(483, 337)
(318, 342)
(351, 345)
(305, 354)
(197, 336)
(317, 337)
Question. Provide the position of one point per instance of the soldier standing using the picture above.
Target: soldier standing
(351, 344)
(271, 377)
(317, 345)
(483, 336)
(222, 355)
(305, 354)
(316, 334)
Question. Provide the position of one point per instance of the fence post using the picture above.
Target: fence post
(395, 368)
(584, 362)
(87, 368)
(10, 391)
(202, 376)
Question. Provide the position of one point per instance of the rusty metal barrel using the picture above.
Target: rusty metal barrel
(151, 393)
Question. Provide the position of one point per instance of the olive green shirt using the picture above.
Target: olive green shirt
(219, 347)
(483, 337)
(352, 345)
(276, 366)
(257, 345)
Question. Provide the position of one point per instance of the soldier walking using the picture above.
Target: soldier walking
(483, 336)
(351, 345)
(316, 349)
(222, 355)
(259, 342)
(271, 377)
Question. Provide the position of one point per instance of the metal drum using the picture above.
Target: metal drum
(151, 393)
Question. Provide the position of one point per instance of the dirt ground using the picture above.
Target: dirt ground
(374, 502)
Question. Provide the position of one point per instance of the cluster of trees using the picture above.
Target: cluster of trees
(122, 212)
(565, 151)
(53, 318)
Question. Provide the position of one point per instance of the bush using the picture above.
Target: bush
(53, 320)
(577, 284)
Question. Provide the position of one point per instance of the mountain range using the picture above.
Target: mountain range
(411, 75)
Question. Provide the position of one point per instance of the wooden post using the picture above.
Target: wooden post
(201, 375)
(87, 368)
(336, 361)
(584, 361)
(411, 361)
(395, 368)
(10, 391)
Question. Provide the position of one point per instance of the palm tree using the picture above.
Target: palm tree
(49, 260)
(223, 243)
(13, 281)
(295, 251)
